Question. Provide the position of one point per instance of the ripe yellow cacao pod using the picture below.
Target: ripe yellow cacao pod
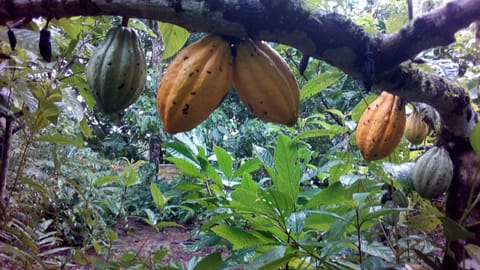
(416, 129)
(265, 84)
(381, 127)
(195, 83)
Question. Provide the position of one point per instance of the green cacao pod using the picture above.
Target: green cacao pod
(116, 72)
(392, 218)
(433, 173)
(399, 198)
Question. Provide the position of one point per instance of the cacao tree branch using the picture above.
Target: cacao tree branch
(326, 36)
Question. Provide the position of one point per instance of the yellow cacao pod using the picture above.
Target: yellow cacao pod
(416, 129)
(265, 84)
(381, 127)
(194, 84)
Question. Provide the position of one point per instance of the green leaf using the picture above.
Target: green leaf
(174, 37)
(62, 139)
(249, 166)
(85, 128)
(395, 22)
(224, 161)
(159, 255)
(314, 133)
(210, 262)
(475, 138)
(473, 251)
(320, 83)
(111, 235)
(454, 231)
(103, 180)
(334, 194)
(130, 177)
(275, 255)
(287, 167)
(157, 196)
(238, 237)
(263, 154)
(296, 222)
(186, 167)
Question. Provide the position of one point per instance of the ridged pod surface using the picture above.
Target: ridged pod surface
(265, 84)
(116, 72)
(433, 173)
(416, 129)
(194, 84)
(381, 127)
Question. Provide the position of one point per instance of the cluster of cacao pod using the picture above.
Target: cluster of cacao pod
(381, 126)
(201, 75)
(116, 72)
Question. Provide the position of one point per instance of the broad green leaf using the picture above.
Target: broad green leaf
(296, 222)
(174, 37)
(314, 133)
(338, 229)
(249, 166)
(224, 161)
(159, 255)
(248, 183)
(473, 251)
(62, 139)
(320, 82)
(210, 262)
(111, 235)
(475, 139)
(334, 194)
(270, 256)
(181, 150)
(264, 155)
(130, 177)
(321, 220)
(85, 128)
(454, 231)
(238, 237)
(368, 22)
(186, 167)
(157, 196)
(287, 167)
(103, 180)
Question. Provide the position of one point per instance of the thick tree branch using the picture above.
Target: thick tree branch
(328, 37)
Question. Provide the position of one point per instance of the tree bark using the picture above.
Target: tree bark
(326, 36)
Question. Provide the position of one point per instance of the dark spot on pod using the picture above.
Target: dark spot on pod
(250, 107)
(193, 93)
(190, 75)
(121, 86)
(185, 109)
(138, 64)
(209, 72)
(197, 70)
(265, 113)
(109, 63)
(185, 58)
(174, 103)
(251, 54)
(261, 102)
(377, 105)
(220, 68)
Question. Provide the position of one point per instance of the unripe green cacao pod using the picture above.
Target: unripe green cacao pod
(116, 72)
(392, 218)
(433, 173)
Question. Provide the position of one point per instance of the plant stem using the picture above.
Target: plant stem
(4, 159)
(357, 216)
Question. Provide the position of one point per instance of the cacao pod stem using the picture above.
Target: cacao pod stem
(12, 39)
(44, 45)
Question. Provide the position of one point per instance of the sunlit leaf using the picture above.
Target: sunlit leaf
(157, 196)
(224, 161)
(174, 37)
(320, 83)
(103, 180)
(62, 139)
(238, 237)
